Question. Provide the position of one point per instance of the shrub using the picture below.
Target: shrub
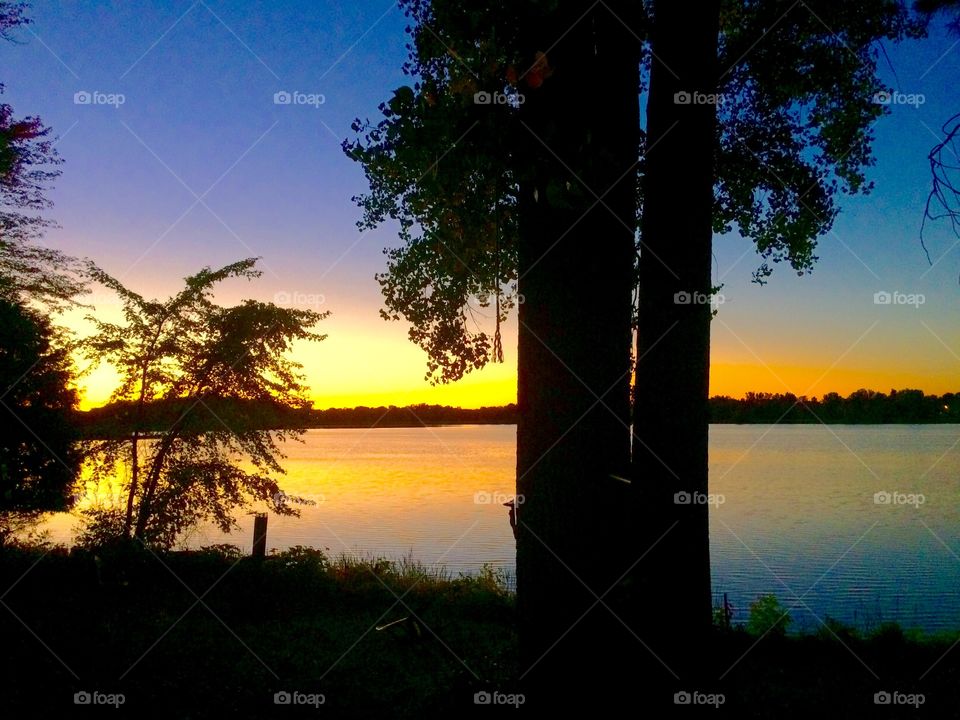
(767, 615)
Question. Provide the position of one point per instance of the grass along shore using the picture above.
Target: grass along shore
(213, 633)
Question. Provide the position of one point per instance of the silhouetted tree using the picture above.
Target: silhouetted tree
(28, 163)
(39, 460)
(193, 354)
(949, 8)
(458, 170)
(671, 415)
(493, 163)
(578, 145)
(795, 105)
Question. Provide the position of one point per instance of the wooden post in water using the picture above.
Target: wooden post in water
(260, 535)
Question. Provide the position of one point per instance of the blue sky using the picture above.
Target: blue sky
(199, 120)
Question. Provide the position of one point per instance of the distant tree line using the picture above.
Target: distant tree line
(866, 407)
(113, 420)
(861, 407)
(412, 416)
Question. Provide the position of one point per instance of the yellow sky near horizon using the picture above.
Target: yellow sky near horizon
(367, 361)
(387, 370)
(357, 364)
(496, 385)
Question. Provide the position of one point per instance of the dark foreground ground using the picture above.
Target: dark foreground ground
(214, 635)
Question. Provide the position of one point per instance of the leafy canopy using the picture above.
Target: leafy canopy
(797, 86)
(38, 457)
(28, 166)
(197, 356)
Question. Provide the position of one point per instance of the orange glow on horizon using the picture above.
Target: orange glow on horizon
(735, 380)
(496, 385)
(365, 361)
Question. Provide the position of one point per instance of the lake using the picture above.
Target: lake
(801, 516)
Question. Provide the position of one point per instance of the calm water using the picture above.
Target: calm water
(799, 517)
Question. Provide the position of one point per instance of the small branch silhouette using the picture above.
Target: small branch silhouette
(944, 198)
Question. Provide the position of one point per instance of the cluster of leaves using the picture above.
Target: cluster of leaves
(797, 84)
(949, 8)
(768, 616)
(35, 395)
(441, 164)
(12, 14)
(192, 353)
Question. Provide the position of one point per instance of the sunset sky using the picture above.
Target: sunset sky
(199, 166)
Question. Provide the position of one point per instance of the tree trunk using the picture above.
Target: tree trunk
(134, 480)
(575, 276)
(673, 349)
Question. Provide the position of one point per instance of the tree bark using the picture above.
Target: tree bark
(576, 276)
(673, 349)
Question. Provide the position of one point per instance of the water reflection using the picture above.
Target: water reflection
(800, 518)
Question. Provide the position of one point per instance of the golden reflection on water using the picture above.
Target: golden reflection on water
(798, 519)
(385, 491)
